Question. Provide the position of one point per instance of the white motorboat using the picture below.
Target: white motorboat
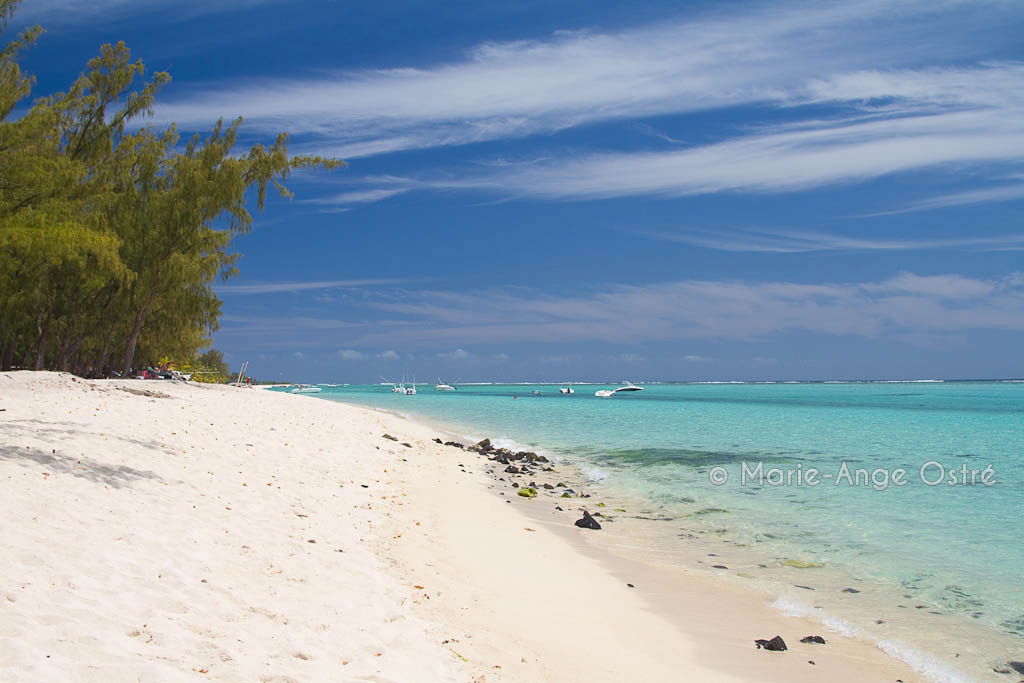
(444, 386)
(305, 389)
(626, 386)
(566, 390)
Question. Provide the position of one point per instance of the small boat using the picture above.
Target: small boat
(305, 389)
(566, 390)
(626, 386)
(536, 392)
(444, 386)
(403, 388)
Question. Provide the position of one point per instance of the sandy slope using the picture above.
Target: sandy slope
(212, 533)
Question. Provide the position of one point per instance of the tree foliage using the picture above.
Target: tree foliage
(111, 234)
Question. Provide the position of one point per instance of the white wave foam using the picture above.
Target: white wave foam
(795, 608)
(593, 474)
(922, 662)
(929, 666)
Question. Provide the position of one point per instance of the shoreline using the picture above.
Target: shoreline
(200, 531)
(940, 645)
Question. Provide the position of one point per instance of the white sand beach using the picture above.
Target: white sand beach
(157, 531)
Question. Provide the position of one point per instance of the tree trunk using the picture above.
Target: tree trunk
(133, 340)
(41, 346)
(7, 357)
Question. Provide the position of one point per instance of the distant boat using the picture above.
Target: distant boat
(566, 390)
(536, 392)
(403, 388)
(443, 386)
(626, 386)
(305, 389)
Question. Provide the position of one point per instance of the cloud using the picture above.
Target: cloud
(905, 307)
(788, 54)
(501, 357)
(70, 12)
(351, 354)
(699, 309)
(298, 355)
(767, 240)
(697, 359)
(1002, 193)
(277, 287)
(358, 196)
(457, 354)
(778, 161)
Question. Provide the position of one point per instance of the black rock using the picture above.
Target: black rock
(719, 566)
(437, 440)
(500, 458)
(776, 644)
(559, 508)
(813, 639)
(454, 444)
(389, 437)
(1016, 666)
(407, 444)
(850, 590)
(512, 469)
(587, 522)
(548, 486)
(484, 445)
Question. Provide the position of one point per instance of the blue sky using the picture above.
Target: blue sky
(556, 190)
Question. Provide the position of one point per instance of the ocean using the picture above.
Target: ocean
(893, 510)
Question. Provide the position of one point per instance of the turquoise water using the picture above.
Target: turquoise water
(955, 548)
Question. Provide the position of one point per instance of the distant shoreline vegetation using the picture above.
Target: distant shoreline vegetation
(112, 236)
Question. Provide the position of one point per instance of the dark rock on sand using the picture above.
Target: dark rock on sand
(850, 590)
(437, 440)
(454, 444)
(719, 566)
(389, 437)
(818, 640)
(587, 522)
(1016, 666)
(548, 486)
(407, 444)
(500, 458)
(776, 644)
(512, 469)
(484, 445)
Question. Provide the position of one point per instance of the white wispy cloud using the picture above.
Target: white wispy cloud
(906, 307)
(277, 287)
(358, 196)
(908, 303)
(457, 354)
(774, 162)
(70, 12)
(999, 193)
(770, 55)
(768, 240)
(351, 354)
